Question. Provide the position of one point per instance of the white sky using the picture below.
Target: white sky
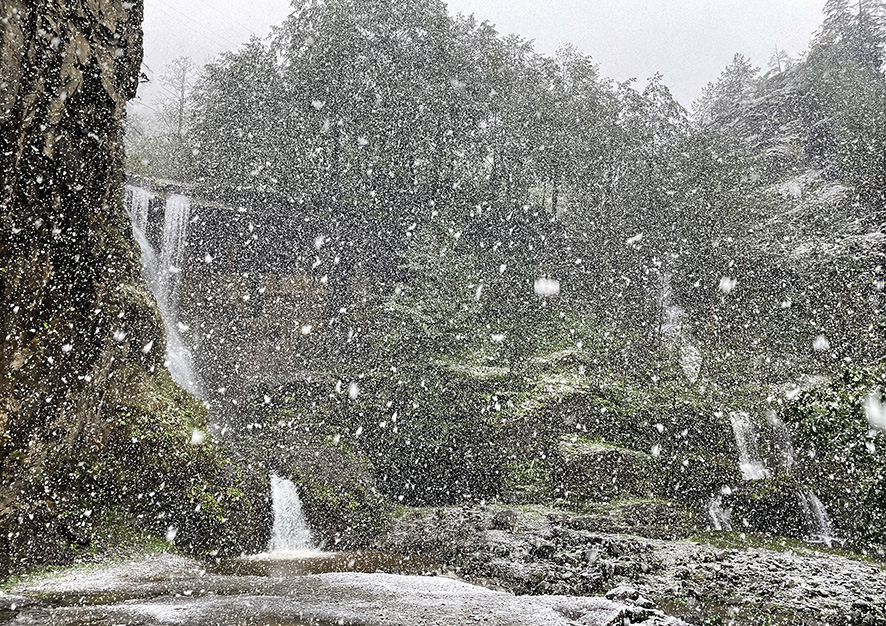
(689, 41)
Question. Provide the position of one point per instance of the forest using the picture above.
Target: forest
(500, 229)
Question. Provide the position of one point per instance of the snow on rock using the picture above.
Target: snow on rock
(875, 411)
(173, 590)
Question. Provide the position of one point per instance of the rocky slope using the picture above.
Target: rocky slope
(544, 551)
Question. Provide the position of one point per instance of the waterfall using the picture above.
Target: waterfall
(818, 517)
(750, 463)
(162, 272)
(721, 517)
(816, 513)
(172, 252)
(290, 532)
(690, 359)
(675, 333)
(753, 468)
(671, 314)
(139, 201)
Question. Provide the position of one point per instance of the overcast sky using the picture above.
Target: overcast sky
(689, 41)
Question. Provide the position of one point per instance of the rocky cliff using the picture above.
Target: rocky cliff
(93, 434)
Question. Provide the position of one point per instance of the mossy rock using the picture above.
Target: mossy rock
(140, 473)
(694, 478)
(770, 506)
(339, 498)
(528, 481)
(592, 471)
(841, 456)
(657, 519)
(219, 506)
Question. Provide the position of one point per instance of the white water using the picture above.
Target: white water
(675, 333)
(753, 468)
(138, 201)
(290, 532)
(162, 274)
(750, 463)
(671, 313)
(818, 516)
(690, 359)
(721, 517)
(172, 250)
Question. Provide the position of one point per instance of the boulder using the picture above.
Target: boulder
(598, 472)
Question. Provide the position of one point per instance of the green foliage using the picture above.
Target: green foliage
(451, 168)
(842, 455)
(847, 104)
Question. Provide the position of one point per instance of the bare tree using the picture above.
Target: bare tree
(177, 81)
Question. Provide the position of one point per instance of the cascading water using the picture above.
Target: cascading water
(818, 517)
(721, 517)
(138, 201)
(675, 332)
(290, 532)
(162, 274)
(750, 463)
(172, 251)
(753, 468)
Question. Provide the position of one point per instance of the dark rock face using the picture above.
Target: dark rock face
(68, 268)
(82, 384)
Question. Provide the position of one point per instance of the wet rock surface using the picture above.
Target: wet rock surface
(541, 551)
(168, 589)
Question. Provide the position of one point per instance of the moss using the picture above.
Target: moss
(140, 474)
(590, 471)
(763, 541)
(340, 500)
(527, 481)
(575, 446)
(116, 542)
